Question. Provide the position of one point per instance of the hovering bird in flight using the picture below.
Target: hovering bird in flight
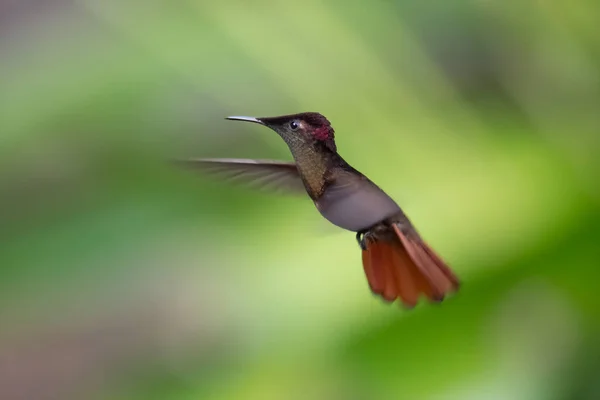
(398, 264)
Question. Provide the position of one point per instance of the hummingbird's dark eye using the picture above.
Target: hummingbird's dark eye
(294, 125)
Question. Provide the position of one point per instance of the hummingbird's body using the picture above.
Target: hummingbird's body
(397, 262)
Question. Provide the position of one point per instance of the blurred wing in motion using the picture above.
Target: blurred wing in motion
(277, 176)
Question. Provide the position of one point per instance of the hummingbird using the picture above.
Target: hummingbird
(397, 262)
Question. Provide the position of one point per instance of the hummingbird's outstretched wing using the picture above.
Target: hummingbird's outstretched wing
(259, 174)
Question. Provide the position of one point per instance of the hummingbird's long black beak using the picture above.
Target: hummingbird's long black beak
(246, 119)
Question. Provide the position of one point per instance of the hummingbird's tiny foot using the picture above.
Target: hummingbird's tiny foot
(362, 240)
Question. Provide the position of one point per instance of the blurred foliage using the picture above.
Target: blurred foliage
(124, 278)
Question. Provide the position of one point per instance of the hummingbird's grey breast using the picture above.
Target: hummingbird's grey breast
(352, 202)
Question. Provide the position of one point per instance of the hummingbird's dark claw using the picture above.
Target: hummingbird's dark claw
(361, 238)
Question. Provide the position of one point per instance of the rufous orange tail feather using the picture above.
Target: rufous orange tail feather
(400, 267)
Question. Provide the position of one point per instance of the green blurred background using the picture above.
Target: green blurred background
(124, 278)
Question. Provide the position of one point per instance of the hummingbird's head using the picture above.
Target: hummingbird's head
(303, 128)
